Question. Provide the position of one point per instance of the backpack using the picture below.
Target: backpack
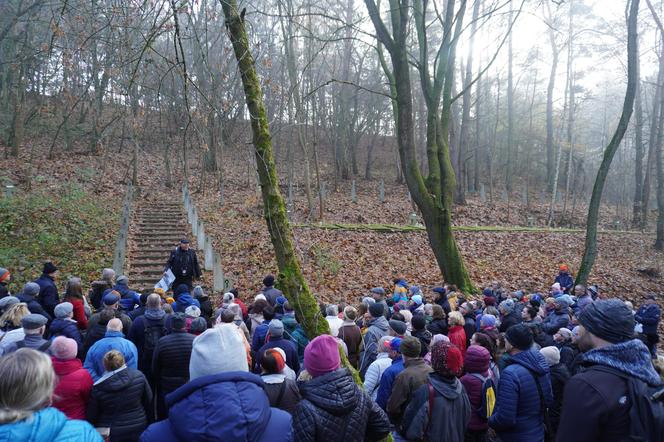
(646, 414)
(488, 397)
(151, 335)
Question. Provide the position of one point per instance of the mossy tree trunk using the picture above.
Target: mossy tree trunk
(590, 251)
(290, 280)
(434, 193)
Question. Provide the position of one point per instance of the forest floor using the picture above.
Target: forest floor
(343, 257)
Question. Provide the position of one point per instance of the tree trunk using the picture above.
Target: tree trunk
(549, 104)
(510, 109)
(590, 252)
(290, 280)
(659, 241)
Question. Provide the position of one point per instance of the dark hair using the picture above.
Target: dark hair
(278, 309)
(398, 316)
(269, 362)
(258, 306)
(361, 310)
(235, 293)
(483, 340)
(438, 312)
(287, 307)
(198, 326)
(268, 313)
(106, 315)
(74, 288)
(453, 288)
(532, 312)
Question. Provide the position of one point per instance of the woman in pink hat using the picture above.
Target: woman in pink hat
(74, 382)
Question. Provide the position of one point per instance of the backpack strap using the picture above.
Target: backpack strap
(432, 396)
(45, 346)
(543, 408)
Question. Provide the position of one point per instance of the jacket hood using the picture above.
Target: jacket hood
(334, 392)
(232, 404)
(44, 426)
(155, 314)
(63, 368)
(630, 357)
(532, 360)
(113, 334)
(118, 381)
(380, 323)
(448, 388)
(59, 325)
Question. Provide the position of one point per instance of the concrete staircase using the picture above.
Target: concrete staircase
(156, 231)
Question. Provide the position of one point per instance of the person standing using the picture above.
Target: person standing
(98, 288)
(559, 377)
(596, 401)
(5, 277)
(48, 292)
(351, 334)
(565, 279)
(183, 262)
(377, 328)
(113, 340)
(34, 326)
(74, 382)
(648, 316)
(74, 295)
(28, 295)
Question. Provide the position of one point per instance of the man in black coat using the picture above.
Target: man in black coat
(48, 292)
(184, 264)
(170, 362)
(28, 296)
(596, 402)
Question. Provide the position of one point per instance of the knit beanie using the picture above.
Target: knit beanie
(487, 321)
(321, 356)
(410, 347)
(198, 292)
(31, 289)
(7, 302)
(446, 359)
(418, 322)
(276, 328)
(192, 311)
(64, 348)
(417, 299)
(551, 355)
(399, 327)
(218, 350)
(198, 326)
(507, 305)
(565, 333)
(520, 336)
(63, 310)
(259, 297)
(376, 309)
(4, 274)
(477, 359)
(610, 320)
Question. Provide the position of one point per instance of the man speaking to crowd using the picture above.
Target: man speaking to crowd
(184, 264)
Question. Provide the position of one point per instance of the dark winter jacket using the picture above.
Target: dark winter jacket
(73, 388)
(287, 346)
(48, 294)
(96, 293)
(565, 280)
(415, 374)
(449, 417)
(4, 291)
(648, 315)
(517, 416)
(183, 264)
(378, 327)
(282, 393)
(121, 401)
(425, 339)
(387, 381)
(509, 320)
(69, 329)
(126, 321)
(333, 407)
(352, 337)
(438, 327)
(184, 301)
(594, 408)
(231, 406)
(559, 377)
(271, 294)
(568, 353)
(34, 306)
(258, 339)
(135, 313)
(128, 298)
(170, 364)
(152, 322)
(207, 309)
(294, 333)
(555, 321)
(469, 326)
(36, 342)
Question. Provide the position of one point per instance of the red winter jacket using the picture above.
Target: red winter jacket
(79, 312)
(457, 337)
(73, 389)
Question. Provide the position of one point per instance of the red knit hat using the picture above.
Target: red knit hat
(446, 359)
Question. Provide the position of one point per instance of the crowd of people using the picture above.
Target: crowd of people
(118, 365)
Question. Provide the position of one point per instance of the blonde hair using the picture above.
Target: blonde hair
(455, 318)
(14, 314)
(113, 360)
(27, 381)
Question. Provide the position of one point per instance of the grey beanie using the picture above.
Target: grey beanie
(63, 310)
(276, 328)
(31, 289)
(218, 350)
(610, 320)
(7, 302)
(198, 292)
(122, 280)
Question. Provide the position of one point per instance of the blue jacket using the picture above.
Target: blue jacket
(649, 315)
(49, 425)
(555, 321)
(67, 328)
(48, 294)
(258, 340)
(128, 298)
(184, 301)
(113, 340)
(231, 406)
(517, 416)
(34, 306)
(387, 380)
(566, 281)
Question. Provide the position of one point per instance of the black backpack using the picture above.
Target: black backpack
(152, 334)
(646, 413)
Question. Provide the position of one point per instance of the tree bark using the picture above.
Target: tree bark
(590, 252)
(549, 103)
(291, 279)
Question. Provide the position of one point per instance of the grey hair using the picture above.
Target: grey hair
(154, 301)
(331, 310)
(114, 324)
(27, 381)
(108, 274)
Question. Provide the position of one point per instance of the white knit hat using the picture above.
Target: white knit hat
(217, 350)
(551, 355)
(192, 311)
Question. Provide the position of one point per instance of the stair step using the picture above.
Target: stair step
(156, 235)
(138, 263)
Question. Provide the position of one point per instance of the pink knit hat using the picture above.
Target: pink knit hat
(321, 356)
(64, 348)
